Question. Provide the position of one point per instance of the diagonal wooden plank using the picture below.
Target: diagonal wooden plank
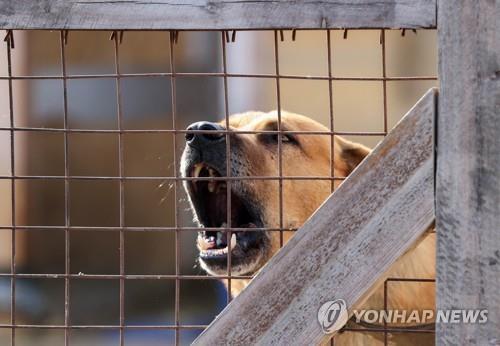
(346, 247)
(215, 14)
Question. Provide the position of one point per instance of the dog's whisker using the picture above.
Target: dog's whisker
(161, 184)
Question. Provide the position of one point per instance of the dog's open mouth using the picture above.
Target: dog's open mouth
(210, 200)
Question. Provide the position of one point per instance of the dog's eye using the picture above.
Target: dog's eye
(274, 137)
(285, 138)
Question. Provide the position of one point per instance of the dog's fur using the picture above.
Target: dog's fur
(308, 155)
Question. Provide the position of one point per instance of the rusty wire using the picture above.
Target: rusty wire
(117, 38)
(67, 256)
(9, 39)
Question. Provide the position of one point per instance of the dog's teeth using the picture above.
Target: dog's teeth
(211, 186)
(233, 241)
(206, 244)
(197, 170)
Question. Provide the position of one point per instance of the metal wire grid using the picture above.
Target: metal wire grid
(117, 37)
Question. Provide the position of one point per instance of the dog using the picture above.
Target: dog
(255, 204)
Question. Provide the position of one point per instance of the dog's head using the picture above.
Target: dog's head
(256, 203)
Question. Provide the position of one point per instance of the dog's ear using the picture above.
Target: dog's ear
(351, 154)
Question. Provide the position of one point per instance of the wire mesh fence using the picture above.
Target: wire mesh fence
(111, 198)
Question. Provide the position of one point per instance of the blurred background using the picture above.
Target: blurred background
(146, 104)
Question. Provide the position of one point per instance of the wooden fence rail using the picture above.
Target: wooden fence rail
(215, 14)
(346, 247)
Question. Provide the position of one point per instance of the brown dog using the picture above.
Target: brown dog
(255, 203)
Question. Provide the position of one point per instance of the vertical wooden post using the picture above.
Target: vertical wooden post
(468, 169)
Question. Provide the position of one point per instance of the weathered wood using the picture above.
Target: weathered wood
(468, 169)
(216, 14)
(346, 247)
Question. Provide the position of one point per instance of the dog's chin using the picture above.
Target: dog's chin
(248, 250)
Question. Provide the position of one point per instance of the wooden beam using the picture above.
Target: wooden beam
(346, 247)
(468, 169)
(216, 14)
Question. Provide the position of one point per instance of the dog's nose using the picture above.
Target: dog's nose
(204, 138)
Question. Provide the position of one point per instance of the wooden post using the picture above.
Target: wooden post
(468, 169)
